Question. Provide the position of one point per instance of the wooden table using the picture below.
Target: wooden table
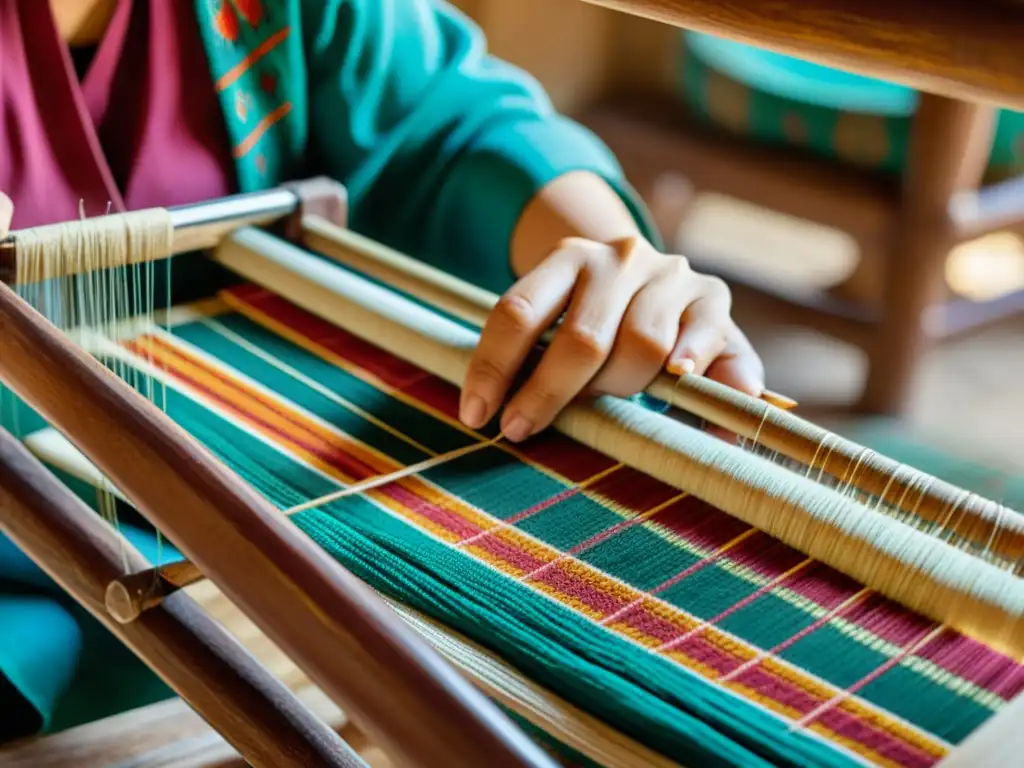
(966, 50)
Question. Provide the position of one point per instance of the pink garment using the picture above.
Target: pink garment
(143, 128)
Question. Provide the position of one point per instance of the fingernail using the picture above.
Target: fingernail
(473, 412)
(681, 367)
(518, 429)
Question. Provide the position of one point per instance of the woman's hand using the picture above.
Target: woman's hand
(629, 311)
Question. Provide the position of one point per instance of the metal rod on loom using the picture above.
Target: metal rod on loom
(196, 226)
(191, 652)
(330, 623)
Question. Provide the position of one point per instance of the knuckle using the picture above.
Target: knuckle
(679, 266)
(540, 399)
(716, 288)
(646, 345)
(585, 341)
(517, 312)
(486, 372)
(575, 244)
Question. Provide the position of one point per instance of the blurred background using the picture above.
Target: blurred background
(791, 181)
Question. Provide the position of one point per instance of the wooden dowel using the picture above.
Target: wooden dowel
(193, 654)
(963, 50)
(326, 620)
(979, 521)
(128, 597)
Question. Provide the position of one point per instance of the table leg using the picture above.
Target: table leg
(949, 147)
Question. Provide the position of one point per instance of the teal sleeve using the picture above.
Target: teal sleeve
(440, 145)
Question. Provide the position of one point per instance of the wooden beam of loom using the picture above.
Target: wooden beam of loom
(969, 517)
(926, 575)
(191, 652)
(167, 734)
(349, 643)
(964, 50)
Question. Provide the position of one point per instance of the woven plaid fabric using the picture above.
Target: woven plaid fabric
(674, 623)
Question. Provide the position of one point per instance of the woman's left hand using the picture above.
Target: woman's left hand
(629, 312)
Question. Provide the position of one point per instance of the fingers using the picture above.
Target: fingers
(738, 366)
(6, 214)
(646, 337)
(512, 330)
(629, 312)
(704, 328)
(578, 350)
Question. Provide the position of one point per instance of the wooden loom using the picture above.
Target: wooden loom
(307, 605)
(351, 645)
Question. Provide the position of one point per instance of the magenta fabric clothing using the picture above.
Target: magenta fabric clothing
(142, 128)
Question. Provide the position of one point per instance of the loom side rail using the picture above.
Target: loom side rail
(329, 622)
(193, 654)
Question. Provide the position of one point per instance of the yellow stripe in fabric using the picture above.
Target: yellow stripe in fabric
(282, 423)
(252, 349)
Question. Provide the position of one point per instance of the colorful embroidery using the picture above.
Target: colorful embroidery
(250, 10)
(257, 53)
(264, 125)
(225, 22)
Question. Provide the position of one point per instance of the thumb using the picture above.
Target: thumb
(6, 213)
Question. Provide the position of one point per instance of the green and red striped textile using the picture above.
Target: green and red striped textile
(669, 620)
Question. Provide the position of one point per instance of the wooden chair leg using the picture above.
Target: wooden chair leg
(950, 142)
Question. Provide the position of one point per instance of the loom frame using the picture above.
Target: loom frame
(323, 234)
(915, 64)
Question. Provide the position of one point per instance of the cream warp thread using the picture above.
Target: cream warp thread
(74, 274)
(801, 439)
(76, 247)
